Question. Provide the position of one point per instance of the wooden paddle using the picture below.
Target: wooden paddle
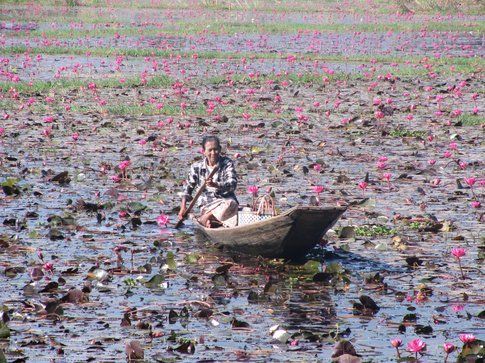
(194, 200)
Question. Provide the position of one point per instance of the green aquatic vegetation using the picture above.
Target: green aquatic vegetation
(401, 132)
(373, 231)
(471, 120)
(230, 27)
(67, 84)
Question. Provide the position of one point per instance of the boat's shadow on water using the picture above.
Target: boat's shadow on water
(301, 303)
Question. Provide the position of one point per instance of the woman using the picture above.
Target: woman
(218, 201)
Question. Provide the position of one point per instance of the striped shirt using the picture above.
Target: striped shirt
(225, 177)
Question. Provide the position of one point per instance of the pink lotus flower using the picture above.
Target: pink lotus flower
(467, 338)
(463, 165)
(363, 186)
(124, 164)
(456, 113)
(447, 154)
(435, 182)
(387, 178)
(431, 161)
(115, 178)
(253, 189)
(458, 307)
(379, 114)
(416, 346)
(123, 214)
(48, 119)
(318, 188)
(47, 132)
(476, 204)
(2, 131)
(48, 267)
(458, 252)
(317, 168)
(75, 136)
(382, 159)
(449, 348)
(396, 343)
(381, 165)
(470, 181)
(162, 220)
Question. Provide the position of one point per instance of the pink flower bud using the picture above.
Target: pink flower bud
(449, 348)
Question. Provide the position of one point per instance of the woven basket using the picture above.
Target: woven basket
(263, 208)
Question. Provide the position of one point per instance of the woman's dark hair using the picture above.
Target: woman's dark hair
(211, 138)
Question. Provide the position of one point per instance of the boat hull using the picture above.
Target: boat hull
(289, 234)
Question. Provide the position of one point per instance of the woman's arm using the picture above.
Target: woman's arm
(229, 178)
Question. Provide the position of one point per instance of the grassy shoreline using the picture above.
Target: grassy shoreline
(191, 28)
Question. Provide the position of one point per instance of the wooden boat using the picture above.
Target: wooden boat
(290, 234)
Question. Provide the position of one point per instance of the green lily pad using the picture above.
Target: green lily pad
(155, 281)
(4, 331)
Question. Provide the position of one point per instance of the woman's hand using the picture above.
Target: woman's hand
(211, 183)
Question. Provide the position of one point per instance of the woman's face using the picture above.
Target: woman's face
(212, 152)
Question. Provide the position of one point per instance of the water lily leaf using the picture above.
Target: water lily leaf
(324, 277)
(13, 271)
(10, 187)
(343, 347)
(4, 330)
(36, 273)
(471, 352)
(134, 351)
(62, 178)
(311, 267)
(136, 206)
(224, 268)
(423, 329)
(447, 226)
(75, 296)
(98, 274)
(347, 232)
(239, 323)
(3, 359)
(9, 182)
(186, 347)
(51, 286)
(54, 234)
(192, 258)
(155, 282)
(333, 268)
(257, 150)
(409, 318)
(368, 303)
(373, 277)
(414, 261)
